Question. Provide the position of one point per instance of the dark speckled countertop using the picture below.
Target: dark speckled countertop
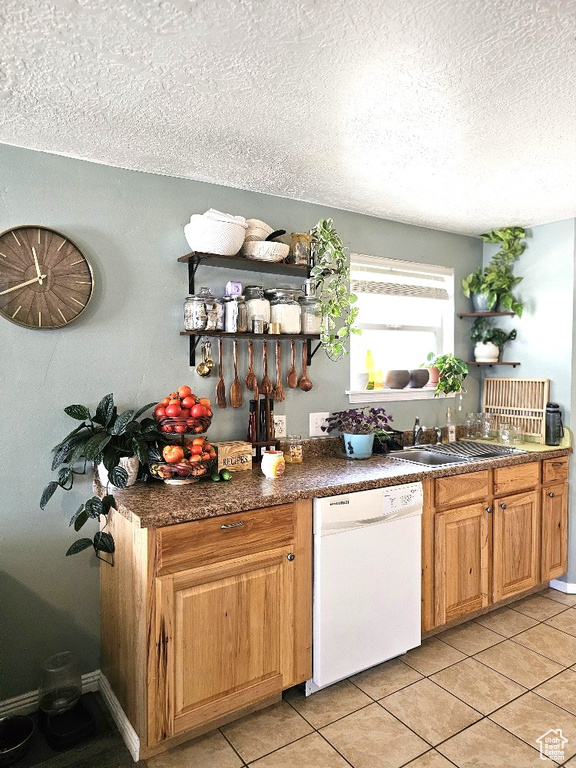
(155, 504)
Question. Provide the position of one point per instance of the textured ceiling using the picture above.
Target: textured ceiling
(454, 114)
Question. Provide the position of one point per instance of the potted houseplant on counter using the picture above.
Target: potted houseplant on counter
(358, 426)
(494, 284)
(489, 340)
(117, 443)
(331, 273)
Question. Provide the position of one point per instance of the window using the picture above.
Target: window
(406, 310)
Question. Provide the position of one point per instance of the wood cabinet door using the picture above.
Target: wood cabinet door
(516, 553)
(223, 636)
(554, 531)
(462, 552)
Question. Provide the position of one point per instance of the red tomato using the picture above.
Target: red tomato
(206, 456)
(185, 413)
(205, 401)
(173, 410)
(184, 392)
(166, 428)
(160, 411)
(188, 402)
(164, 401)
(212, 454)
(198, 440)
(179, 429)
(196, 450)
(198, 411)
(195, 459)
(172, 453)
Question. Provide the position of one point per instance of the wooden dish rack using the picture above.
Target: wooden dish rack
(521, 402)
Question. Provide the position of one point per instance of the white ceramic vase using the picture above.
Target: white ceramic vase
(486, 353)
(129, 463)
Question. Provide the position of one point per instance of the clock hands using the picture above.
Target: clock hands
(40, 275)
(22, 285)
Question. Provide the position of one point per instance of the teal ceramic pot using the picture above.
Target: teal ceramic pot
(358, 446)
(480, 302)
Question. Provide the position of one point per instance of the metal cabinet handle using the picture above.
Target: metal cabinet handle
(503, 506)
(488, 509)
(233, 525)
(291, 556)
(557, 463)
(551, 494)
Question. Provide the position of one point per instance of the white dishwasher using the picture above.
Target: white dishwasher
(367, 577)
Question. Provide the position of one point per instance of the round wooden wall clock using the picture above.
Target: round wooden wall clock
(45, 280)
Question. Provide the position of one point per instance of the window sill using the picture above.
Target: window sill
(393, 395)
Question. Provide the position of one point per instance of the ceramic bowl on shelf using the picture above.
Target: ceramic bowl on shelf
(397, 379)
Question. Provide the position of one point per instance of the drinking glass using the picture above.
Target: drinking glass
(470, 424)
(515, 434)
(504, 432)
(486, 426)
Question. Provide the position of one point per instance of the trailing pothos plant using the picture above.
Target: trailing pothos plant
(105, 437)
(451, 374)
(331, 273)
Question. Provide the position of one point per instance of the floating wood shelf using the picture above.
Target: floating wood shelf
(490, 365)
(247, 265)
(486, 314)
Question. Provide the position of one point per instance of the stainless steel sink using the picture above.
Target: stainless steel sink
(431, 458)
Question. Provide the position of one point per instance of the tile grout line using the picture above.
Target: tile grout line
(244, 762)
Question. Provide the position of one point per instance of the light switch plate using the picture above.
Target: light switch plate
(279, 426)
(317, 420)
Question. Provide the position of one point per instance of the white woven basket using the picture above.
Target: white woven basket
(208, 236)
(257, 230)
(262, 251)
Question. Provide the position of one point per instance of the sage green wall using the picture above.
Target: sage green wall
(546, 330)
(129, 225)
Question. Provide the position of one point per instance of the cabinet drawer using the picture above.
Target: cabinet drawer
(555, 470)
(518, 478)
(190, 545)
(461, 489)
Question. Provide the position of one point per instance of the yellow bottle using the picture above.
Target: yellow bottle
(369, 367)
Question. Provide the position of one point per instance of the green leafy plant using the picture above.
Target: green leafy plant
(452, 372)
(484, 332)
(497, 280)
(331, 272)
(105, 437)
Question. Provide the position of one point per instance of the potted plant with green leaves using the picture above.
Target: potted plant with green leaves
(117, 443)
(432, 369)
(451, 374)
(358, 427)
(493, 285)
(331, 273)
(489, 340)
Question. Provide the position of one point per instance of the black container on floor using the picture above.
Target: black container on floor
(70, 728)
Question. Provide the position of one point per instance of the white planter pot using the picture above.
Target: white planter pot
(129, 463)
(486, 353)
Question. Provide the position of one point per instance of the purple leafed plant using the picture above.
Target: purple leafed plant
(358, 421)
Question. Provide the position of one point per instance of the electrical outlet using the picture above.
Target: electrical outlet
(279, 426)
(317, 420)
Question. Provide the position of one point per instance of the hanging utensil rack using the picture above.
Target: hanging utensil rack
(195, 259)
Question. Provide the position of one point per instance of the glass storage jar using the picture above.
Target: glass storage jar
(236, 315)
(300, 245)
(256, 305)
(310, 317)
(194, 313)
(285, 310)
(220, 314)
(293, 453)
(211, 308)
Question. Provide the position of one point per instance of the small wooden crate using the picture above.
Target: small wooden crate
(234, 455)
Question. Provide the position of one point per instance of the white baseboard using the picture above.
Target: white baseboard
(123, 724)
(569, 587)
(28, 702)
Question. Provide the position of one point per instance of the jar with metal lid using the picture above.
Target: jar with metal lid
(220, 314)
(256, 305)
(293, 453)
(194, 313)
(285, 310)
(300, 247)
(310, 317)
(211, 308)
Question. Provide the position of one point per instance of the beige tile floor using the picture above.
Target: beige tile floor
(477, 696)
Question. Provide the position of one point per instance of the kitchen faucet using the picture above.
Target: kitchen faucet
(417, 432)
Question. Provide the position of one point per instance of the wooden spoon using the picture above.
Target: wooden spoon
(251, 381)
(279, 393)
(265, 384)
(305, 383)
(292, 378)
(236, 388)
(220, 386)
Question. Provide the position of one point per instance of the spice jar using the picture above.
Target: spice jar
(256, 305)
(286, 311)
(211, 309)
(310, 317)
(293, 452)
(220, 314)
(300, 245)
(194, 313)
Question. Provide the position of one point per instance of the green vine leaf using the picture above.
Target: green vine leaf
(105, 410)
(79, 412)
(47, 493)
(103, 542)
(78, 546)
